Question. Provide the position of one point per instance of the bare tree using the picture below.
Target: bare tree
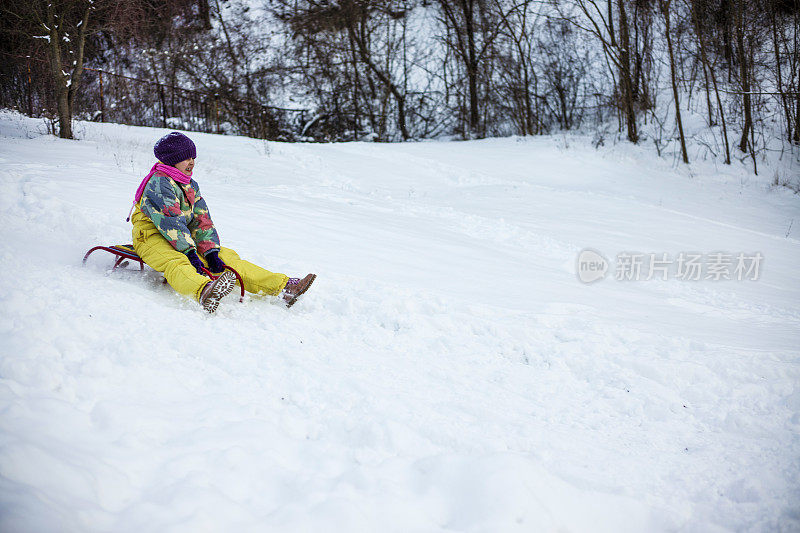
(349, 33)
(697, 17)
(779, 42)
(471, 32)
(76, 31)
(563, 69)
(357, 20)
(665, 6)
(599, 21)
(64, 25)
(519, 27)
(400, 69)
(744, 75)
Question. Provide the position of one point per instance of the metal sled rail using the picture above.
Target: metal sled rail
(126, 251)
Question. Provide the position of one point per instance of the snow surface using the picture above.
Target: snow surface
(446, 372)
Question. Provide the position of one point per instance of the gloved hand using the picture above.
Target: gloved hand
(215, 264)
(194, 259)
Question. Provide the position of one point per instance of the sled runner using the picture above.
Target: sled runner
(125, 252)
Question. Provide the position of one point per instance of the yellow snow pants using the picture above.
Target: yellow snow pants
(159, 254)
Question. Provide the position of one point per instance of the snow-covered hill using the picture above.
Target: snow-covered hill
(447, 371)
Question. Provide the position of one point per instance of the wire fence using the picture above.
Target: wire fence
(109, 97)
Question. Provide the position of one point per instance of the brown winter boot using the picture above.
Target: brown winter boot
(295, 288)
(217, 289)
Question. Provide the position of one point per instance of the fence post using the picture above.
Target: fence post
(30, 89)
(102, 99)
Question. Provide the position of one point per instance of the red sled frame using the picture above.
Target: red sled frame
(126, 251)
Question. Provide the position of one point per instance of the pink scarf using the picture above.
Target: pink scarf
(172, 172)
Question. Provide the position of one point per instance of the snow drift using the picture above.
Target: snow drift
(447, 371)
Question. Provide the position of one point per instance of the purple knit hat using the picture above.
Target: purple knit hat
(173, 148)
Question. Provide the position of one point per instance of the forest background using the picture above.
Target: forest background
(695, 79)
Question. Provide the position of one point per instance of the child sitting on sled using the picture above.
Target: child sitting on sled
(173, 233)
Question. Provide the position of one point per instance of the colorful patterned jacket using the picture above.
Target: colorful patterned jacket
(180, 214)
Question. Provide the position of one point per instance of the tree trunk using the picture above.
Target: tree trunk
(778, 76)
(468, 8)
(528, 103)
(611, 24)
(400, 98)
(796, 55)
(66, 85)
(60, 78)
(519, 38)
(665, 6)
(709, 107)
(356, 85)
(727, 45)
(64, 116)
(205, 13)
(537, 122)
(797, 121)
(625, 73)
(709, 67)
(77, 71)
(744, 75)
